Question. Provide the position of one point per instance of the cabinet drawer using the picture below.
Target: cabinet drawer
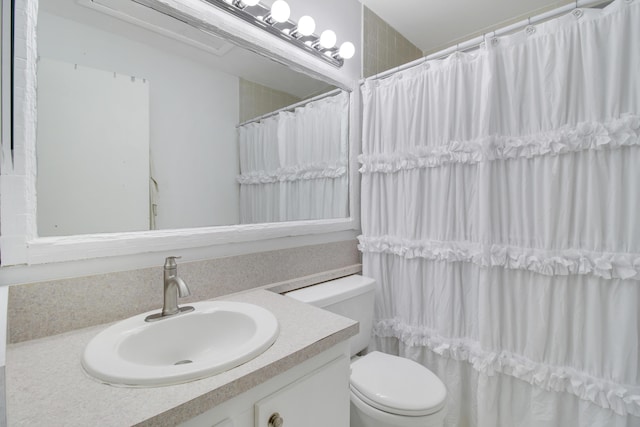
(318, 399)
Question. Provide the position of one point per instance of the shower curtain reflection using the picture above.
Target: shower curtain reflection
(294, 165)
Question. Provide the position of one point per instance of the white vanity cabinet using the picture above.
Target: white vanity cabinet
(314, 393)
(316, 400)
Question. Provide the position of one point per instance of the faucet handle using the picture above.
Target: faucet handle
(170, 261)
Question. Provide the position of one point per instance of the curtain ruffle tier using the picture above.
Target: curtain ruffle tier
(622, 399)
(295, 173)
(549, 263)
(615, 133)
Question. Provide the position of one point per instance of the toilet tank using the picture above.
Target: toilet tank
(351, 296)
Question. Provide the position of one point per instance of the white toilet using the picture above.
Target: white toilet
(386, 390)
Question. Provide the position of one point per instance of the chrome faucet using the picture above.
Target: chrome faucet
(174, 287)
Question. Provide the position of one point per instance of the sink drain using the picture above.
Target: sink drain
(183, 362)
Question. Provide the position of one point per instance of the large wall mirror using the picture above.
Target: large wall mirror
(151, 124)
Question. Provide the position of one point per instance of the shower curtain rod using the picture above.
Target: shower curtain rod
(292, 106)
(477, 41)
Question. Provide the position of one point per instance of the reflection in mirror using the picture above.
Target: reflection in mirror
(147, 123)
(294, 163)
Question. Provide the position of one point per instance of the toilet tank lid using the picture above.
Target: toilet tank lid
(327, 293)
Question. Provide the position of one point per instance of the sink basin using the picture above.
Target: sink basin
(215, 337)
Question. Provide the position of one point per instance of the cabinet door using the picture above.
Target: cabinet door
(318, 399)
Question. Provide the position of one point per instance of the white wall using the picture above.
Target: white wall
(93, 155)
(193, 113)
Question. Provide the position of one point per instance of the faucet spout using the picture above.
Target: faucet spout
(183, 289)
(174, 288)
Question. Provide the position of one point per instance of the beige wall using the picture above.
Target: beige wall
(383, 47)
(256, 100)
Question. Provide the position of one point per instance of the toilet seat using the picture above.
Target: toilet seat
(397, 385)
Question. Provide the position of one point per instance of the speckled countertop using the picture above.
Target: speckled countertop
(47, 386)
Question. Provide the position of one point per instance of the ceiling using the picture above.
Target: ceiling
(433, 25)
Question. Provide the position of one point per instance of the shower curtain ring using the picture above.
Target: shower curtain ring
(530, 30)
(494, 39)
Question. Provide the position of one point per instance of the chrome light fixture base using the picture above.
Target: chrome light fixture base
(258, 16)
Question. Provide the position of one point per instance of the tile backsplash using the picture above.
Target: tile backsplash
(41, 309)
(383, 46)
(257, 100)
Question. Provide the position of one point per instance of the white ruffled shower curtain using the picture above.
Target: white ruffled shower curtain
(259, 153)
(293, 166)
(501, 219)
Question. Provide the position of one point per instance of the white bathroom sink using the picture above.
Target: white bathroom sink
(215, 337)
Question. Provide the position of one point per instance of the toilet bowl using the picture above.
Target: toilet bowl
(390, 391)
(386, 390)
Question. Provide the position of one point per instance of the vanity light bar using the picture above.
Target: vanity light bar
(275, 21)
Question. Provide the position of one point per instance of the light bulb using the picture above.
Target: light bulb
(306, 25)
(327, 39)
(250, 2)
(280, 11)
(347, 50)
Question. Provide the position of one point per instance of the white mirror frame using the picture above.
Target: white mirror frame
(19, 241)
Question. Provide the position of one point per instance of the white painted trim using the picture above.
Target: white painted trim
(5, 81)
(57, 249)
(19, 241)
(18, 180)
(355, 149)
